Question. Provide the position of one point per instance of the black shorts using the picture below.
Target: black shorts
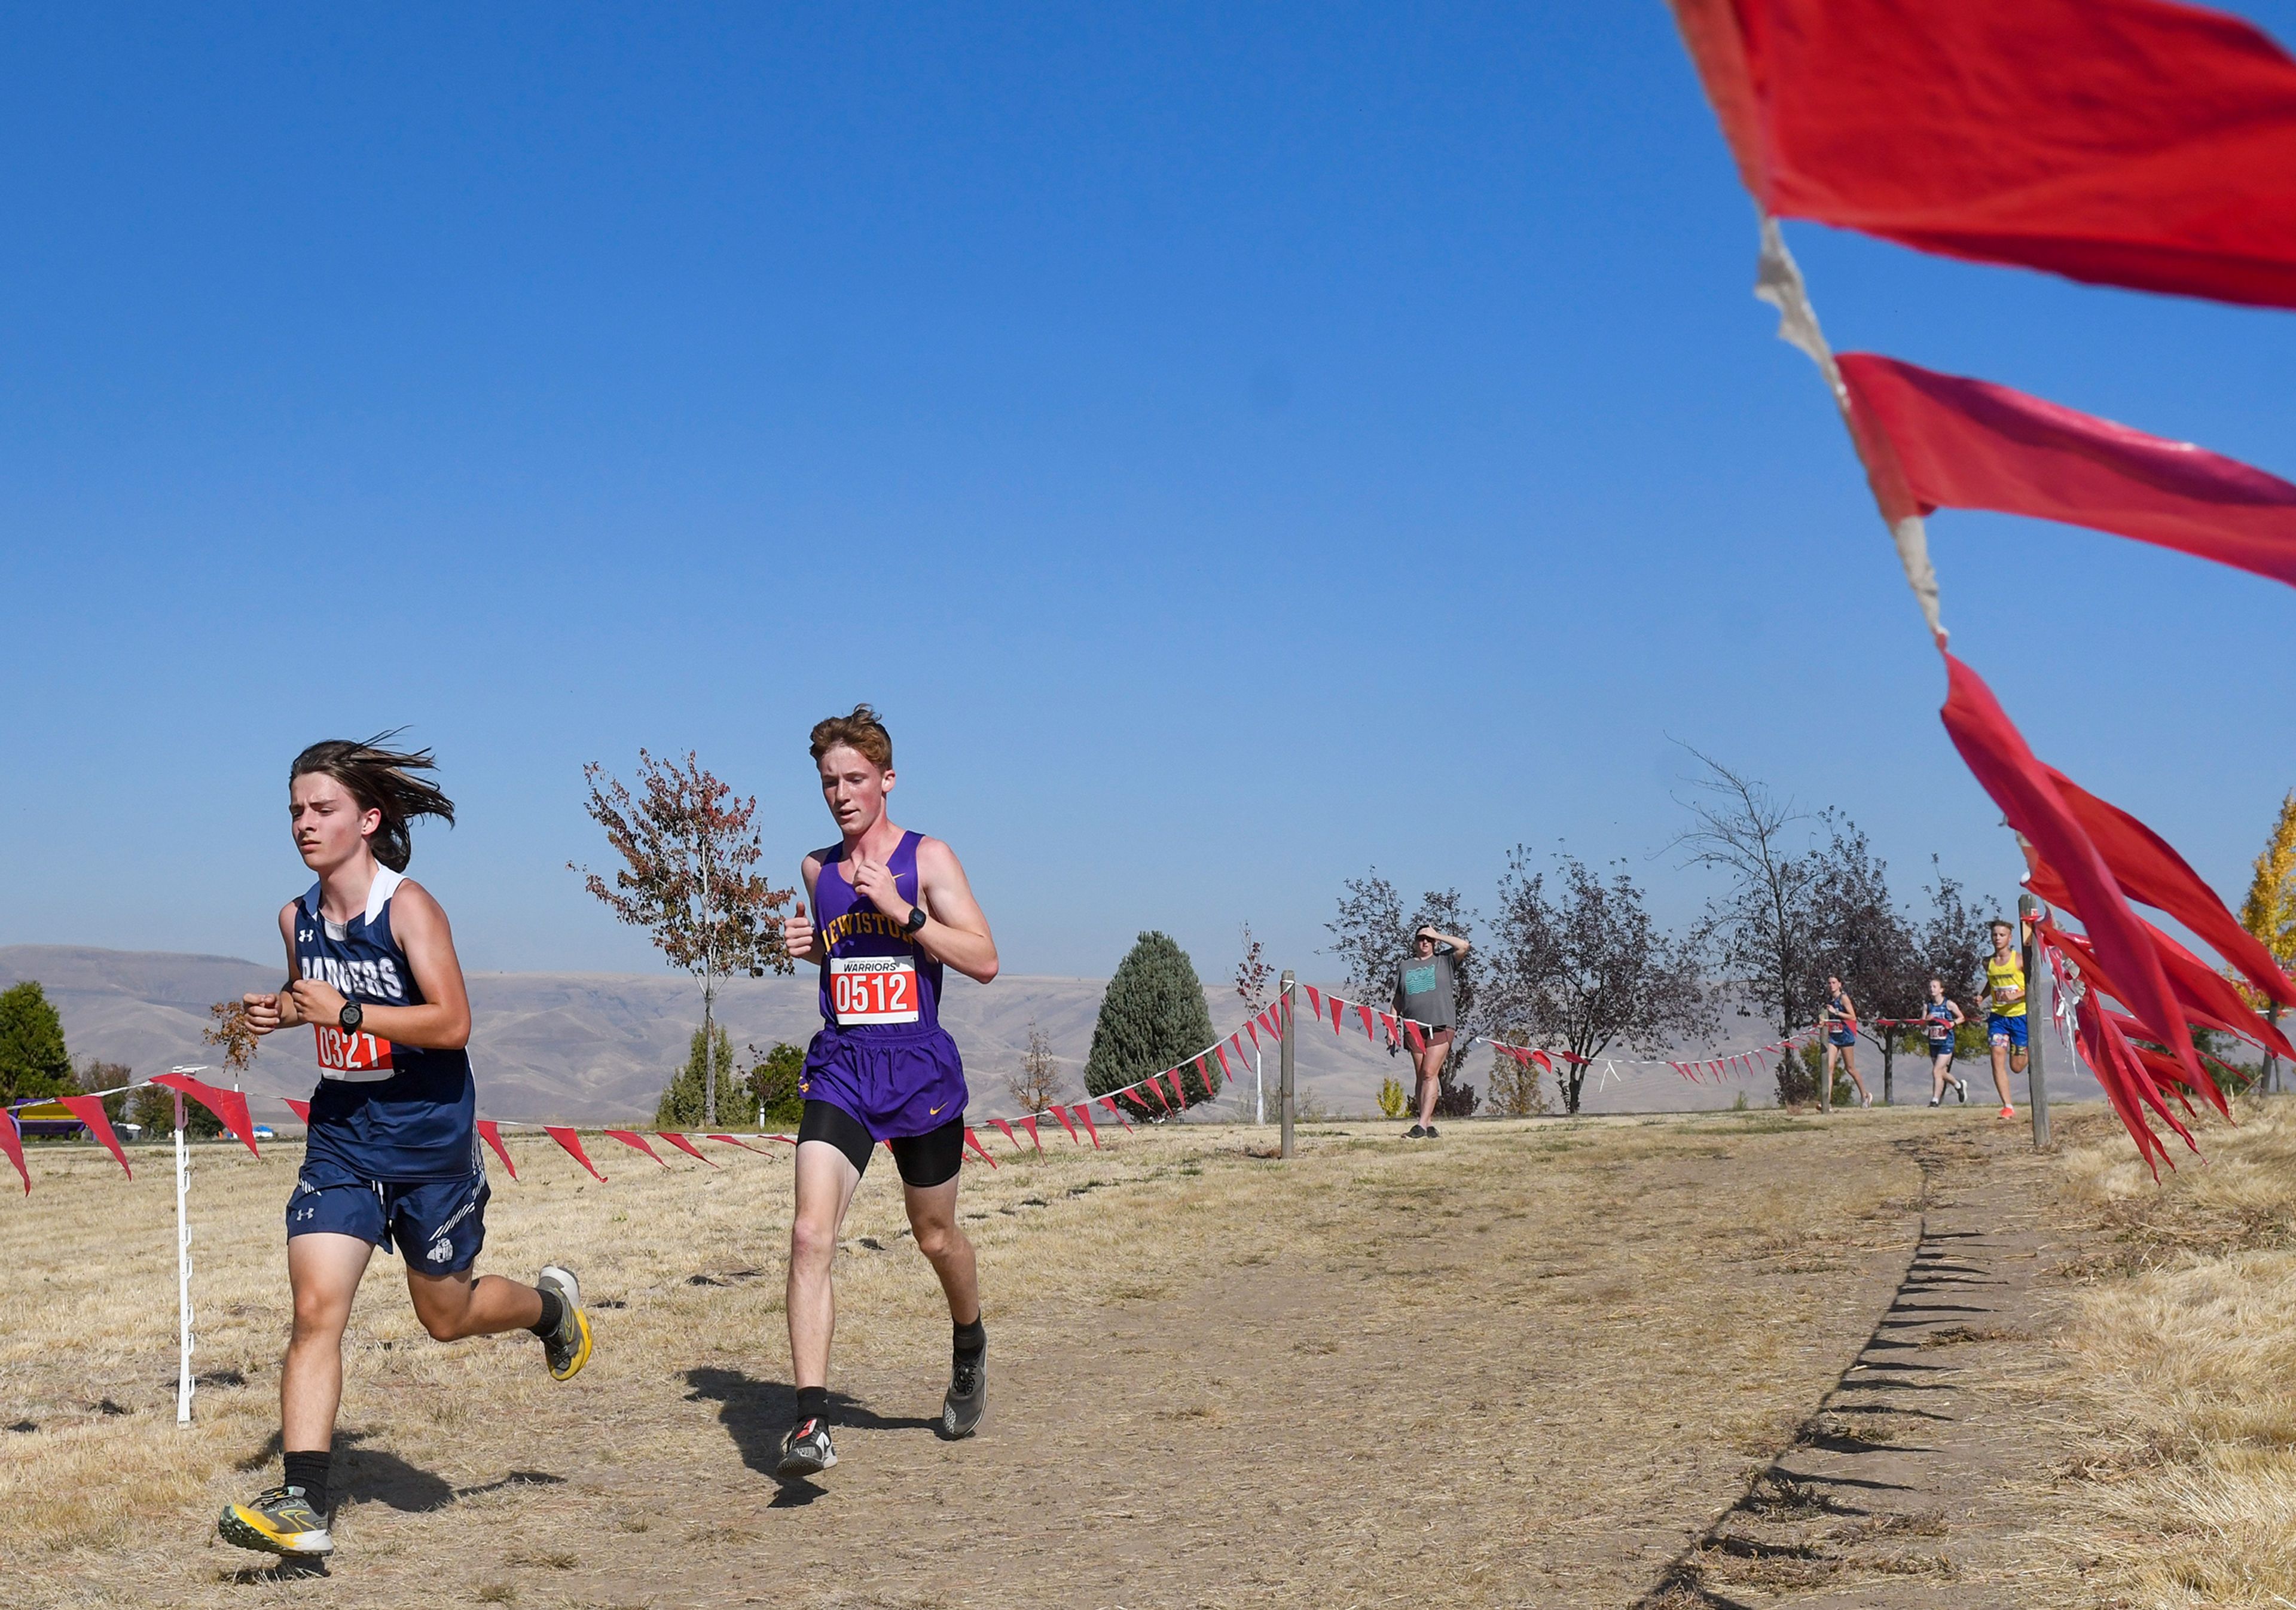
(924, 1160)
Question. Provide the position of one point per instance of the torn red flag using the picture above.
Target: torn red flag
(636, 1143)
(685, 1146)
(1970, 444)
(490, 1132)
(572, 1143)
(89, 1110)
(228, 1105)
(1996, 756)
(2117, 142)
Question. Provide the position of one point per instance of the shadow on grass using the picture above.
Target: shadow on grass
(375, 1476)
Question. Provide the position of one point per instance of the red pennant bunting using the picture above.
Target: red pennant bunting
(89, 1110)
(685, 1145)
(745, 1146)
(1083, 1116)
(1115, 1111)
(1219, 1055)
(1067, 1124)
(12, 1144)
(228, 1105)
(1005, 1127)
(1155, 1083)
(636, 1143)
(572, 1142)
(1251, 1027)
(1314, 1001)
(1411, 1033)
(1338, 1009)
(490, 1132)
(1030, 1123)
(301, 1109)
(973, 1141)
(1544, 1061)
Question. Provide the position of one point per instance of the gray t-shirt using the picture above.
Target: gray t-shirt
(1423, 990)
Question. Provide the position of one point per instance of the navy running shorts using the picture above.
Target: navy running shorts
(1842, 1036)
(438, 1224)
(2007, 1031)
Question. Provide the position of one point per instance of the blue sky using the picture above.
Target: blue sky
(1234, 446)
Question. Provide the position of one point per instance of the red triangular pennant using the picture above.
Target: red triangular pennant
(89, 1110)
(1314, 1001)
(1083, 1116)
(1006, 1126)
(685, 1145)
(490, 1132)
(1030, 1123)
(1066, 1124)
(228, 1105)
(745, 1145)
(301, 1109)
(12, 1144)
(572, 1142)
(1115, 1111)
(636, 1143)
(973, 1141)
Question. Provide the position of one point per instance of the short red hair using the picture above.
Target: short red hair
(861, 732)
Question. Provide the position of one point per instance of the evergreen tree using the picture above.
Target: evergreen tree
(33, 1060)
(1152, 1017)
(685, 1100)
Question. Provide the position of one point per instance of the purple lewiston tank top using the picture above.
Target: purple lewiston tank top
(873, 979)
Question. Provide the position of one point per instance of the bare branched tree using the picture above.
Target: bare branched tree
(1039, 1081)
(1584, 966)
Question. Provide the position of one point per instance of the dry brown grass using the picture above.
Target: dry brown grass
(2186, 1336)
(1543, 1355)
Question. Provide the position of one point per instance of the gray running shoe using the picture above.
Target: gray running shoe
(278, 1521)
(968, 1394)
(805, 1452)
(567, 1348)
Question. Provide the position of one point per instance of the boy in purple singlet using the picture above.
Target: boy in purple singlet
(891, 909)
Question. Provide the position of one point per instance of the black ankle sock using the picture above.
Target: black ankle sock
(309, 1471)
(972, 1338)
(813, 1402)
(554, 1312)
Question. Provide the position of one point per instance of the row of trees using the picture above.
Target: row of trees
(1573, 960)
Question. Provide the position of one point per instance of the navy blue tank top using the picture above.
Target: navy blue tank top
(1940, 1016)
(873, 979)
(382, 1110)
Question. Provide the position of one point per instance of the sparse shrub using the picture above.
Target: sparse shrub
(1391, 1097)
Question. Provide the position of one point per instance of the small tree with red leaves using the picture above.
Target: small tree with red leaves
(689, 879)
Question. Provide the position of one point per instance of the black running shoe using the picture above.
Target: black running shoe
(1432, 1135)
(968, 1394)
(1415, 1133)
(806, 1450)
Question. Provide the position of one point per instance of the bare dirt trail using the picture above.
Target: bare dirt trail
(1528, 1365)
(1925, 1479)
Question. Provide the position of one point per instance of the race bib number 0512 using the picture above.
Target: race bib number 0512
(872, 989)
(355, 1057)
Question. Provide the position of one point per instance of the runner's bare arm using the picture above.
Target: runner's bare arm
(442, 1023)
(1458, 945)
(956, 933)
(800, 937)
(266, 1012)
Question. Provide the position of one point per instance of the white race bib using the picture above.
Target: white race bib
(872, 989)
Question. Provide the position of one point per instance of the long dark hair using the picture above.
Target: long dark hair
(381, 779)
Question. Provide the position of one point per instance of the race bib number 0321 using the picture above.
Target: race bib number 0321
(356, 1057)
(872, 989)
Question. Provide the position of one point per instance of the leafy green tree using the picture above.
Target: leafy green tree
(105, 1075)
(33, 1060)
(685, 1102)
(1152, 1017)
(154, 1105)
(772, 1085)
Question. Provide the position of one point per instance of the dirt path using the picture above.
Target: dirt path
(1922, 1481)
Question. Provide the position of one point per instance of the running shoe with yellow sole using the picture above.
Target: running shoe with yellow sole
(567, 1348)
(277, 1522)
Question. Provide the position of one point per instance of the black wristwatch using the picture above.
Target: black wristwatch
(353, 1015)
(916, 918)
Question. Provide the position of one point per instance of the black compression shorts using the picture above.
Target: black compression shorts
(924, 1160)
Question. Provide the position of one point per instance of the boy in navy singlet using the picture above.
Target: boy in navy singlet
(892, 909)
(392, 1155)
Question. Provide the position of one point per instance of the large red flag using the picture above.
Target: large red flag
(228, 1105)
(1967, 443)
(490, 1132)
(1997, 754)
(685, 1145)
(89, 1110)
(572, 1143)
(12, 1144)
(2120, 142)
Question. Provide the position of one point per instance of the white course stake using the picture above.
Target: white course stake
(182, 1270)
